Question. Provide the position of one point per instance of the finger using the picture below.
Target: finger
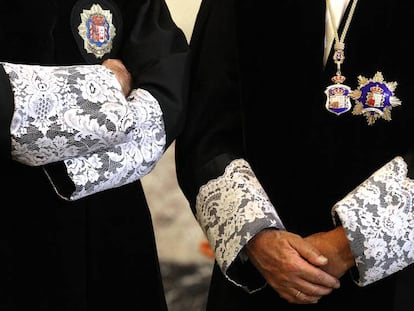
(303, 298)
(311, 257)
(313, 291)
(300, 278)
(310, 253)
(314, 283)
(317, 279)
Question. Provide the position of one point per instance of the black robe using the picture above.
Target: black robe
(97, 253)
(257, 93)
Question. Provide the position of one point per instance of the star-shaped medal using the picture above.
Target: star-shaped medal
(374, 98)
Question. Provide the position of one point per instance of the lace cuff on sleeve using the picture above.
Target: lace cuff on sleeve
(231, 210)
(79, 114)
(123, 163)
(379, 221)
(64, 112)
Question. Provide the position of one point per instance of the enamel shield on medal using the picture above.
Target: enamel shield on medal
(337, 100)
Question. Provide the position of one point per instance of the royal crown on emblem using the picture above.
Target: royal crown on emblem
(98, 19)
(338, 79)
(338, 91)
(376, 89)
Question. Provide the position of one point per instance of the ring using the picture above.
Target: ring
(298, 294)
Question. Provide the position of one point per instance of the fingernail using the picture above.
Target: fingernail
(322, 259)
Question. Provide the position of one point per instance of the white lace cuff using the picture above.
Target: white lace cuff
(79, 114)
(63, 112)
(379, 221)
(127, 162)
(231, 210)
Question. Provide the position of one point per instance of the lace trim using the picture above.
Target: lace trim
(62, 112)
(78, 114)
(379, 221)
(127, 162)
(232, 209)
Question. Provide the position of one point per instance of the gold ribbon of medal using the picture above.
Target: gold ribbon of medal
(374, 97)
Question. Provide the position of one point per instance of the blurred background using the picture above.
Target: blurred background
(185, 267)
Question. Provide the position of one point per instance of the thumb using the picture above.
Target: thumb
(311, 253)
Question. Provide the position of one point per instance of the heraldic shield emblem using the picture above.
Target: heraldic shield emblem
(97, 28)
(337, 98)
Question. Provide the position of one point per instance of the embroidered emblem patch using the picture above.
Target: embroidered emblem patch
(97, 30)
(374, 98)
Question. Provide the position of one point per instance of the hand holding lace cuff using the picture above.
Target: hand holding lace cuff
(66, 111)
(378, 217)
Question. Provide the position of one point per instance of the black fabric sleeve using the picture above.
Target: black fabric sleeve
(6, 114)
(212, 137)
(156, 53)
(409, 159)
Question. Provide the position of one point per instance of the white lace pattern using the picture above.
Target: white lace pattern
(379, 221)
(232, 209)
(79, 114)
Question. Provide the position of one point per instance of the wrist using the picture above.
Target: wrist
(343, 247)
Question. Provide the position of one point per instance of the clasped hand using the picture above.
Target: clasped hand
(301, 270)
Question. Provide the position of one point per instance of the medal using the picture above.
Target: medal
(97, 30)
(337, 94)
(374, 98)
